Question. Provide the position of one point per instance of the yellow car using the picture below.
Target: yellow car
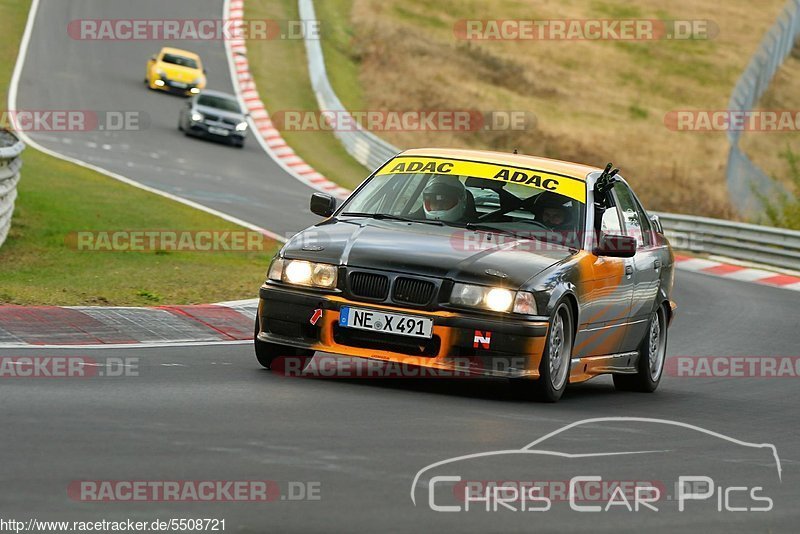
(177, 71)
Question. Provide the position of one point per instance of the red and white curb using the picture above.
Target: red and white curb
(119, 327)
(737, 272)
(224, 322)
(263, 128)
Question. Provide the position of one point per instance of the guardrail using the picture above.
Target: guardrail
(742, 175)
(364, 146)
(760, 244)
(777, 247)
(10, 162)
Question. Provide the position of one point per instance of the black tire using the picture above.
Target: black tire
(555, 365)
(652, 355)
(268, 353)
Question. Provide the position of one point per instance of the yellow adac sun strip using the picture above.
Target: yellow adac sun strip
(569, 187)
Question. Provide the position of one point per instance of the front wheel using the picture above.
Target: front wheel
(276, 357)
(652, 353)
(556, 359)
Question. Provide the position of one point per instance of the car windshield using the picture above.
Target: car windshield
(219, 102)
(477, 196)
(174, 59)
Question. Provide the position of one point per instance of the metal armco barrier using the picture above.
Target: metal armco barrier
(10, 163)
(364, 146)
(760, 244)
(742, 175)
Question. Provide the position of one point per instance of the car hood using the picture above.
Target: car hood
(207, 110)
(179, 73)
(427, 250)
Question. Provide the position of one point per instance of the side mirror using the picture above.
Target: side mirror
(205, 71)
(616, 246)
(323, 204)
(152, 58)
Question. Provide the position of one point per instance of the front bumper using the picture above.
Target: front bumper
(180, 88)
(201, 129)
(514, 349)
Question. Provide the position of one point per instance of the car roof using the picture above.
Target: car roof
(179, 52)
(565, 168)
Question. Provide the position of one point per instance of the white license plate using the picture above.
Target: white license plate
(180, 85)
(218, 131)
(387, 323)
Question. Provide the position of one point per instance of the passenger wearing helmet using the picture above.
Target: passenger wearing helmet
(551, 210)
(445, 199)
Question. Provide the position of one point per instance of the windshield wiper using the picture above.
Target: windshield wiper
(387, 217)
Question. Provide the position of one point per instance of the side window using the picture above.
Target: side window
(610, 223)
(630, 214)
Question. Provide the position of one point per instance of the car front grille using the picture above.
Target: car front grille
(413, 291)
(369, 285)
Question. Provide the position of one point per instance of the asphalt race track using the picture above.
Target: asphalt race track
(211, 413)
(64, 73)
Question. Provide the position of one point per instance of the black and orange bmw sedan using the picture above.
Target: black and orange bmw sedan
(484, 263)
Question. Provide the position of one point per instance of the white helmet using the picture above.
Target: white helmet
(444, 199)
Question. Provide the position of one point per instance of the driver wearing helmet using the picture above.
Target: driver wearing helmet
(552, 211)
(445, 199)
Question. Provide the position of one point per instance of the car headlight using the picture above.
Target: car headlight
(303, 273)
(197, 117)
(493, 298)
(241, 127)
(198, 80)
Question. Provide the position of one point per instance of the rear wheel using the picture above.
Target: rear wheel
(556, 360)
(652, 353)
(274, 356)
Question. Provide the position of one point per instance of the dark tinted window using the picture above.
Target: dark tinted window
(174, 59)
(219, 102)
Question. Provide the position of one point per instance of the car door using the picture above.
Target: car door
(606, 298)
(646, 266)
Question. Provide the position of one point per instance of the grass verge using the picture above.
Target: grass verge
(281, 73)
(595, 101)
(37, 266)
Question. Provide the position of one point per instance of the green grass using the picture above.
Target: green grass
(342, 51)
(13, 14)
(38, 265)
(281, 74)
